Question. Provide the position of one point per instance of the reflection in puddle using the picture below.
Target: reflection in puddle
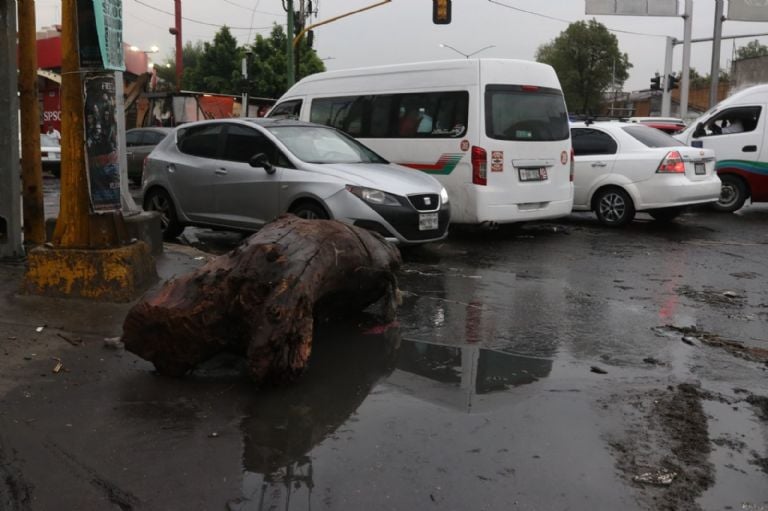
(468, 378)
(283, 425)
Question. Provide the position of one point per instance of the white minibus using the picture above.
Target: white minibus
(494, 132)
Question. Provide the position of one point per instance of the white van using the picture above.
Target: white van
(494, 132)
(737, 130)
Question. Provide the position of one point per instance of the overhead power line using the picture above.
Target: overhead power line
(570, 21)
(198, 21)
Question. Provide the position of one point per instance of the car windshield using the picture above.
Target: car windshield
(323, 145)
(651, 137)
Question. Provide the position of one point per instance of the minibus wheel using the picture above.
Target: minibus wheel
(733, 193)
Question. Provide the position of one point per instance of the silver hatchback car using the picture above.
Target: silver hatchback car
(242, 173)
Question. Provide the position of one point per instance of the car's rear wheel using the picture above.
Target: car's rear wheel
(733, 193)
(159, 200)
(665, 214)
(614, 207)
(309, 211)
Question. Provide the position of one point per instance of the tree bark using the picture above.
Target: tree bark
(261, 300)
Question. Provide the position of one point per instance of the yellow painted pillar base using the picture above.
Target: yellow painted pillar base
(113, 274)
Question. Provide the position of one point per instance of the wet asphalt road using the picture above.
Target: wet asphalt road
(534, 368)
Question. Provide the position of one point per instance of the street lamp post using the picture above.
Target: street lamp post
(466, 55)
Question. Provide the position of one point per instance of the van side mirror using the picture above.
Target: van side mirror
(699, 131)
(261, 160)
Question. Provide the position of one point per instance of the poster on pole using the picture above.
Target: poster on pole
(632, 7)
(748, 10)
(100, 34)
(101, 147)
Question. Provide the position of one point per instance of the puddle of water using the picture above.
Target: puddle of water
(732, 428)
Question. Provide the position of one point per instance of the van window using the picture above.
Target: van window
(733, 120)
(287, 110)
(515, 112)
(587, 141)
(417, 115)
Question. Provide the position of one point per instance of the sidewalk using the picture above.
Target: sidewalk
(37, 327)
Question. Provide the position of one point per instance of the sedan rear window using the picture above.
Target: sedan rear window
(651, 137)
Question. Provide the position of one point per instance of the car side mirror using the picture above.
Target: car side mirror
(699, 131)
(261, 160)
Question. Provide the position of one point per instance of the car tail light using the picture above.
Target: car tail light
(672, 164)
(573, 164)
(144, 165)
(479, 166)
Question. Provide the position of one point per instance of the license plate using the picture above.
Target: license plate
(700, 169)
(427, 221)
(538, 174)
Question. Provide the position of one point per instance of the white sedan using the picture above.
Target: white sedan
(622, 168)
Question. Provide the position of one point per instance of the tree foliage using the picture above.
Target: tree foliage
(751, 50)
(588, 62)
(268, 69)
(216, 67)
(699, 81)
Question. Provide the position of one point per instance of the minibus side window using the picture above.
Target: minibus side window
(345, 113)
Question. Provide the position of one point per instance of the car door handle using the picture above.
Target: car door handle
(599, 164)
(171, 168)
(129, 153)
(749, 149)
(220, 171)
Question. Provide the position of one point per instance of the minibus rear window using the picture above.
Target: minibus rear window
(525, 113)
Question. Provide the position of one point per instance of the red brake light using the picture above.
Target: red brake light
(479, 166)
(529, 88)
(573, 165)
(672, 164)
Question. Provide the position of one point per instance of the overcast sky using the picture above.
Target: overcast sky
(402, 30)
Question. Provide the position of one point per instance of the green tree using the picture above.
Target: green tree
(217, 69)
(588, 62)
(698, 81)
(268, 69)
(751, 50)
(191, 54)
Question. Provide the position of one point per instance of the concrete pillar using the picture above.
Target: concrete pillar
(11, 246)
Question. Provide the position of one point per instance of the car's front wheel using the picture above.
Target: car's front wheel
(665, 214)
(733, 193)
(614, 207)
(309, 211)
(159, 200)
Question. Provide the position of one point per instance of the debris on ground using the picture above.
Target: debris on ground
(73, 342)
(598, 370)
(114, 343)
(661, 477)
(261, 300)
(58, 367)
(692, 334)
(713, 297)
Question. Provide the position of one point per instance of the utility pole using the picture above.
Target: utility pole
(666, 96)
(290, 75)
(297, 48)
(72, 224)
(10, 194)
(31, 166)
(717, 35)
(686, 78)
(179, 48)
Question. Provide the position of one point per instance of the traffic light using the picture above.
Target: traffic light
(441, 12)
(656, 83)
(672, 82)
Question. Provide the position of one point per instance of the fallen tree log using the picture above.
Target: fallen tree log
(261, 300)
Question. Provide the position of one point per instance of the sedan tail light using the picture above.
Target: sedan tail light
(573, 165)
(479, 166)
(672, 164)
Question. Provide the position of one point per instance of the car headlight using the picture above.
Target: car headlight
(444, 195)
(372, 196)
